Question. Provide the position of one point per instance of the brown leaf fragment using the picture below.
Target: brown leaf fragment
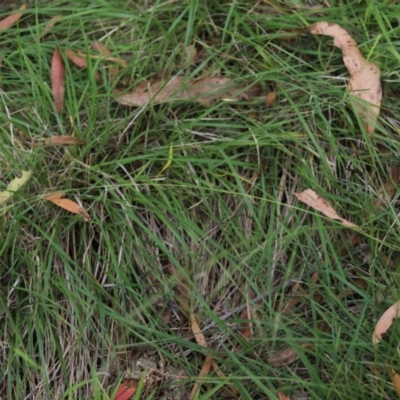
(11, 19)
(57, 79)
(203, 373)
(317, 202)
(101, 49)
(60, 141)
(190, 56)
(364, 84)
(270, 98)
(126, 390)
(49, 26)
(101, 57)
(205, 91)
(67, 204)
(395, 378)
(76, 59)
(385, 322)
(283, 396)
(287, 356)
(105, 54)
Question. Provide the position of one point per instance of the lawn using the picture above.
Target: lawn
(193, 223)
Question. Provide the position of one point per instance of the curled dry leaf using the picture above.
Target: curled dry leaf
(67, 204)
(385, 322)
(11, 19)
(283, 396)
(14, 185)
(364, 83)
(205, 91)
(318, 203)
(57, 79)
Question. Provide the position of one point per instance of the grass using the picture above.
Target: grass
(82, 302)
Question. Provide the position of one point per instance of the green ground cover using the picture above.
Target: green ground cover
(82, 301)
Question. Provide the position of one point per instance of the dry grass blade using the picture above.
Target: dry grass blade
(67, 204)
(11, 19)
(318, 203)
(57, 80)
(364, 80)
(205, 91)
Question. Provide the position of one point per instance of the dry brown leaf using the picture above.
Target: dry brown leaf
(204, 372)
(67, 204)
(126, 390)
(395, 378)
(200, 339)
(385, 322)
(64, 141)
(106, 55)
(101, 49)
(287, 356)
(50, 25)
(76, 59)
(318, 203)
(205, 91)
(57, 79)
(246, 329)
(11, 19)
(96, 57)
(283, 396)
(60, 141)
(270, 98)
(364, 82)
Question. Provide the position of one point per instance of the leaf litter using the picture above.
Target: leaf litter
(14, 186)
(67, 204)
(57, 80)
(317, 202)
(381, 327)
(11, 19)
(364, 84)
(205, 91)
